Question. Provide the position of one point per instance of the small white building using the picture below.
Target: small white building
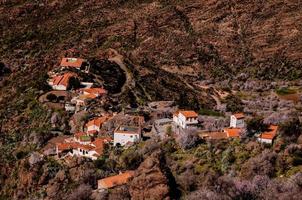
(185, 119)
(69, 107)
(268, 136)
(125, 134)
(94, 125)
(61, 82)
(237, 120)
(94, 91)
(92, 149)
(76, 63)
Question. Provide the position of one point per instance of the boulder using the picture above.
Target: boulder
(35, 158)
(149, 181)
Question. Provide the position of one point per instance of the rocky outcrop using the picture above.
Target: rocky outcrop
(35, 158)
(149, 182)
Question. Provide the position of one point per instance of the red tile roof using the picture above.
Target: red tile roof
(64, 146)
(233, 132)
(97, 121)
(270, 134)
(187, 113)
(86, 97)
(116, 180)
(83, 146)
(72, 62)
(239, 115)
(95, 91)
(63, 79)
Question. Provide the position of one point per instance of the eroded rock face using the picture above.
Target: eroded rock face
(35, 158)
(149, 181)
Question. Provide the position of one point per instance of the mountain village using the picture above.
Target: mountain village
(98, 132)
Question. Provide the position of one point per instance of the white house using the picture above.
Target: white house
(81, 101)
(82, 138)
(94, 125)
(92, 149)
(61, 82)
(268, 136)
(77, 63)
(237, 120)
(126, 135)
(185, 119)
(69, 107)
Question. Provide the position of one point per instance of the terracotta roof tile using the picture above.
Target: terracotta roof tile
(270, 134)
(63, 79)
(72, 62)
(113, 181)
(95, 91)
(97, 121)
(233, 132)
(188, 113)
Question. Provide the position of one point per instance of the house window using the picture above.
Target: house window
(131, 136)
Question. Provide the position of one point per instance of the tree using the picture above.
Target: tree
(233, 104)
(4, 69)
(74, 83)
(188, 139)
(255, 126)
(169, 130)
(51, 97)
(183, 100)
(291, 130)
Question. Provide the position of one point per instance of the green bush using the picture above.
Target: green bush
(285, 91)
(51, 97)
(234, 104)
(204, 111)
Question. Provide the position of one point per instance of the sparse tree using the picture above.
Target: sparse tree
(291, 130)
(51, 97)
(234, 104)
(74, 83)
(188, 139)
(255, 126)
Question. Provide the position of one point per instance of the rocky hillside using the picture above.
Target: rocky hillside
(165, 45)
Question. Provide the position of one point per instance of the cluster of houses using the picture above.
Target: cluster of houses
(91, 142)
(188, 119)
(236, 129)
(86, 144)
(61, 80)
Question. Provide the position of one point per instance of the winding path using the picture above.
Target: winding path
(119, 59)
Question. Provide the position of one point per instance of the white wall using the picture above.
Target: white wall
(59, 87)
(88, 154)
(184, 122)
(267, 141)
(124, 138)
(236, 123)
(93, 128)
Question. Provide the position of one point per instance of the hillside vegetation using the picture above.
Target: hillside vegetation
(166, 45)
